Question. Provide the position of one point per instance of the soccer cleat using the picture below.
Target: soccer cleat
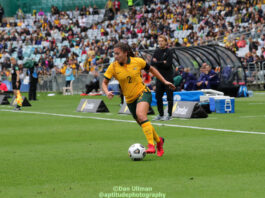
(151, 149)
(157, 118)
(159, 146)
(166, 118)
(17, 108)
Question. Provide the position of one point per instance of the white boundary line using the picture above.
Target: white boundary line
(258, 116)
(132, 121)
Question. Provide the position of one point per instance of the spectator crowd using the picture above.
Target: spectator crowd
(83, 38)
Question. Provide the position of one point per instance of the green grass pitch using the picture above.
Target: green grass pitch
(54, 156)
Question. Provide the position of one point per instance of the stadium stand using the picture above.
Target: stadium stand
(59, 31)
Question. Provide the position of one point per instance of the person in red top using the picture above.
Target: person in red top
(242, 42)
(3, 87)
(117, 6)
(84, 52)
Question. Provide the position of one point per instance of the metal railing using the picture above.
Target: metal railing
(253, 34)
(57, 82)
(256, 72)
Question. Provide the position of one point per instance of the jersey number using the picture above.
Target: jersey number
(129, 78)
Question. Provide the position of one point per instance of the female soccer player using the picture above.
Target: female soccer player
(127, 70)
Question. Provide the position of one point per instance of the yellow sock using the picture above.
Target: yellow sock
(156, 137)
(148, 131)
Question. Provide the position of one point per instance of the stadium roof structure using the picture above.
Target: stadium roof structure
(214, 55)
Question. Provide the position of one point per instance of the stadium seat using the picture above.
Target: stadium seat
(70, 89)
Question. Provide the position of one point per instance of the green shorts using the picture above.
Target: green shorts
(145, 97)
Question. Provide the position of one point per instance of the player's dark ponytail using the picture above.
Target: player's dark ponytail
(125, 48)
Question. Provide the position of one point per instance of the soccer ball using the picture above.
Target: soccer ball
(136, 152)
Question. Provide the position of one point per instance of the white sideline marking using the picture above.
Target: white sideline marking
(185, 119)
(7, 106)
(258, 116)
(132, 121)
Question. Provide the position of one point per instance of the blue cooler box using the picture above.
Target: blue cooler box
(212, 104)
(212, 100)
(225, 105)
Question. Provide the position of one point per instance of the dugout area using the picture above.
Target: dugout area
(194, 57)
(222, 60)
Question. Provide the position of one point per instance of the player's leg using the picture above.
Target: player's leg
(159, 143)
(141, 112)
(169, 93)
(159, 99)
(17, 98)
(132, 108)
(147, 97)
(143, 105)
(156, 136)
(30, 90)
(15, 87)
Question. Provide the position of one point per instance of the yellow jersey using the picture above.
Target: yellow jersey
(129, 77)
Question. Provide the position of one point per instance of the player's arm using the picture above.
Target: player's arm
(108, 93)
(107, 76)
(156, 73)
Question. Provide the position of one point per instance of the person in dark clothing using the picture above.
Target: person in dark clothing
(252, 45)
(201, 82)
(212, 78)
(15, 79)
(121, 95)
(177, 79)
(6, 64)
(94, 84)
(33, 81)
(2, 12)
(20, 53)
(189, 80)
(55, 10)
(64, 52)
(147, 2)
(83, 11)
(162, 60)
